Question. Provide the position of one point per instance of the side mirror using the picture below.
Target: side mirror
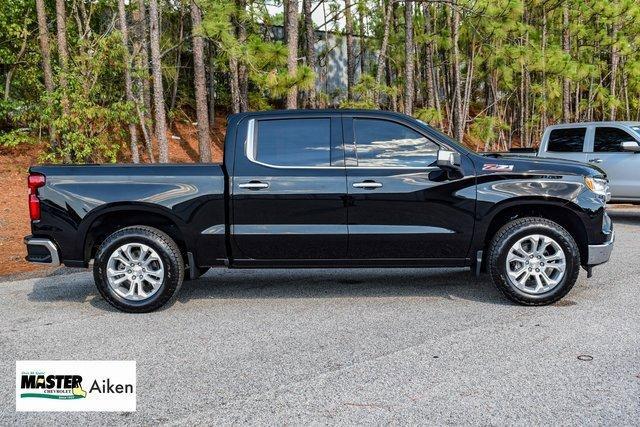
(630, 146)
(448, 160)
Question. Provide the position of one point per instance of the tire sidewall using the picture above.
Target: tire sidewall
(169, 284)
(572, 258)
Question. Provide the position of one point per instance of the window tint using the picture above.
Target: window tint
(567, 140)
(609, 139)
(294, 142)
(384, 143)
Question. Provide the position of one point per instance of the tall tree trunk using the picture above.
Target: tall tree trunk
(428, 66)
(383, 48)
(409, 50)
(351, 63)
(466, 101)
(291, 25)
(310, 44)
(243, 76)
(234, 84)
(45, 50)
(615, 60)
(141, 93)
(361, 11)
(144, 55)
(174, 92)
(200, 83)
(63, 52)
(543, 109)
(566, 48)
(456, 108)
(133, 130)
(212, 86)
(158, 91)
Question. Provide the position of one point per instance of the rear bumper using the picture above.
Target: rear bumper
(41, 251)
(599, 254)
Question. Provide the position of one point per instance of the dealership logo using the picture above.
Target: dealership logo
(75, 386)
(52, 386)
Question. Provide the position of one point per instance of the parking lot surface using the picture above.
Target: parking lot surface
(346, 346)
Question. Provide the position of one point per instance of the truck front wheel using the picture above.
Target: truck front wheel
(533, 261)
(138, 269)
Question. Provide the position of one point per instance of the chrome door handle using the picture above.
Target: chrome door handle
(367, 184)
(254, 185)
(595, 160)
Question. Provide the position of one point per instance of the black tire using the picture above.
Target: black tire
(508, 235)
(166, 249)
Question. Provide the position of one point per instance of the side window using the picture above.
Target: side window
(381, 143)
(293, 142)
(570, 140)
(609, 139)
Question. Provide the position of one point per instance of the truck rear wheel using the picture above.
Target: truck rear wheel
(138, 269)
(533, 261)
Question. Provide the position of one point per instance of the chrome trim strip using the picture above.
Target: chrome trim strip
(302, 229)
(271, 229)
(214, 229)
(397, 229)
(599, 254)
(250, 152)
(51, 247)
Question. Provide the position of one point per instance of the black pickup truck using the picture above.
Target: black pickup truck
(323, 188)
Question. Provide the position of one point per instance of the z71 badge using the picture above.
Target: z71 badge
(497, 167)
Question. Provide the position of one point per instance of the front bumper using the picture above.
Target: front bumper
(41, 251)
(599, 254)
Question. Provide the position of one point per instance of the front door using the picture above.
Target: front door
(622, 167)
(400, 204)
(288, 189)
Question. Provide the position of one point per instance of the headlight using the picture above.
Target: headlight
(598, 186)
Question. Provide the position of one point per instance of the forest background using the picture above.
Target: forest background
(116, 80)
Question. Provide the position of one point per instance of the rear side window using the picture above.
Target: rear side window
(293, 142)
(382, 143)
(609, 139)
(566, 140)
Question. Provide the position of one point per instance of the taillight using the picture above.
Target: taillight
(34, 182)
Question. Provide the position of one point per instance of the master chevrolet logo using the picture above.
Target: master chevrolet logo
(68, 385)
(52, 386)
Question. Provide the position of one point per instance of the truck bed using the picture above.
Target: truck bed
(76, 196)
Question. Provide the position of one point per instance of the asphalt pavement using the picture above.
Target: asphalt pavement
(357, 346)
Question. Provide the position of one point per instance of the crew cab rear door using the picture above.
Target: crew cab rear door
(402, 206)
(288, 188)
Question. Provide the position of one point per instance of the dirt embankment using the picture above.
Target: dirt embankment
(14, 211)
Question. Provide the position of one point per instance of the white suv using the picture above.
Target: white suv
(613, 146)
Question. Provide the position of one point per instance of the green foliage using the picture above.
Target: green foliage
(429, 115)
(510, 54)
(487, 128)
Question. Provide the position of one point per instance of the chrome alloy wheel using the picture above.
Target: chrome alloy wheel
(135, 271)
(536, 264)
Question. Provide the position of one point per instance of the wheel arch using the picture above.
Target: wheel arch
(558, 211)
(100, 223)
